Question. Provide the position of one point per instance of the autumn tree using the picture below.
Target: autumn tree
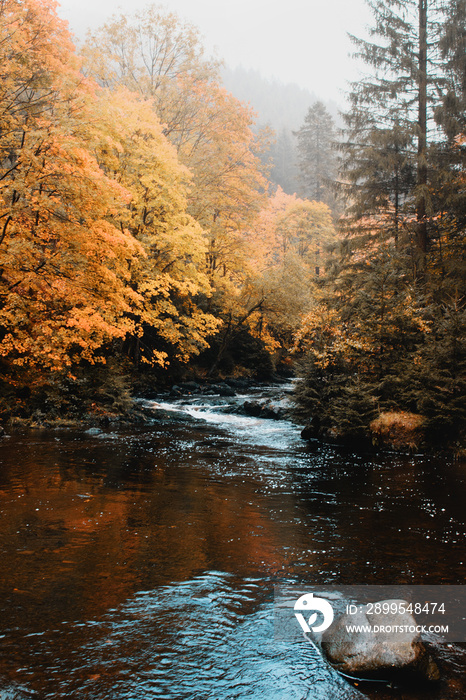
(96, 244)
(64, 265)
(160, 57)
(170, 274)
(289, 249)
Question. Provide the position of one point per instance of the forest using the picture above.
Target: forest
(144, 240)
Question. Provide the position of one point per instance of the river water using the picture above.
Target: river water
(141, 563)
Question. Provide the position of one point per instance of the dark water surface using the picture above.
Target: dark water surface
(141, 564)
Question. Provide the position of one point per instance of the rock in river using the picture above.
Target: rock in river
(391, 647)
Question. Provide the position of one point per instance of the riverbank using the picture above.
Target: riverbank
(120, 407)
(125, 404)
(397, 432)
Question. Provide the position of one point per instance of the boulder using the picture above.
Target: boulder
(264, 408)
(225, 390)
(93, 431)
(251, 408)
(189, 387)
(391, 648)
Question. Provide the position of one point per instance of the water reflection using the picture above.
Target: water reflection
(106, 539)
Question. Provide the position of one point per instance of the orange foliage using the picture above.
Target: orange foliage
(95, 239)
(399, 429)
(63, 264)
(130, 145)
(287, 252)
(156, 55)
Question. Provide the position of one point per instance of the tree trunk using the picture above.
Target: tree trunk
(421, 207)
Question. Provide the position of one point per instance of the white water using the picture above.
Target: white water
(277, 434)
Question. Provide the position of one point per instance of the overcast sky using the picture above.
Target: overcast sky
(295, 41)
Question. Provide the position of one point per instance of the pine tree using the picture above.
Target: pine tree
(404, 154)
(397, 292)
(391, 132)
(451, 114)
(316, 154)
(282, 153)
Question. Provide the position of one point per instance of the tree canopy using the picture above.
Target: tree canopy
(64, 263)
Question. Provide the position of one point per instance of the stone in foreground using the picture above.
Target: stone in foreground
(383, 654)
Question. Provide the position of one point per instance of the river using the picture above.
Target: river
(141, 563)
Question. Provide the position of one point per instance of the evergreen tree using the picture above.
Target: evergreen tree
(282, 153)
(397, 294)
(316, 155)
(394, 148)
(451, 114)
(449, 155)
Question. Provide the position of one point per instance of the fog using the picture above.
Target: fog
(294, 41)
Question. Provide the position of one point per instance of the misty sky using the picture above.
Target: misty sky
(295, 41)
